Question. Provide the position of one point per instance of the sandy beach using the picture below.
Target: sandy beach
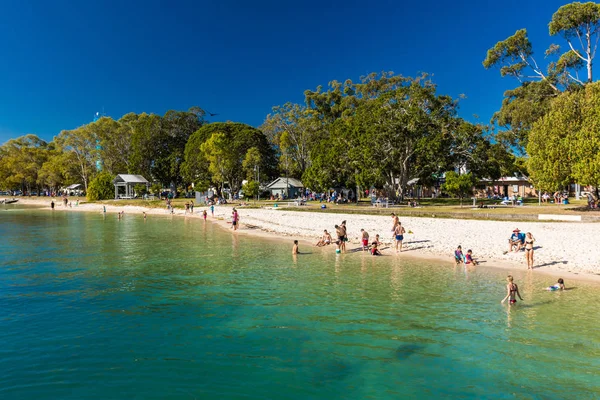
(564, 249)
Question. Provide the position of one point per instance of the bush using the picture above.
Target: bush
(101, 187)
(250, 189)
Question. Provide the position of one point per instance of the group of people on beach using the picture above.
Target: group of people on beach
(373, 247)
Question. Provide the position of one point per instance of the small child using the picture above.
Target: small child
(560, 285)
(144, 215)
(295, 248)
(204, 214)
(365, 239)
(377, 240)
(374, 250)
(469, 258)
(459, 256)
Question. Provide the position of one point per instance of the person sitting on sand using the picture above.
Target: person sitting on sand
(469, 258)
(374, 250)
(459, 257)
(325, 239)
(516, 240)
(560, 285)
(295, 248)
(365, 240)
(512, 290)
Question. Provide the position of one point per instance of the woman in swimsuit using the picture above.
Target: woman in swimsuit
(512, 291)
(529, 239)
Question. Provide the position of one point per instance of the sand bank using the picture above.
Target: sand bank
(565, 249)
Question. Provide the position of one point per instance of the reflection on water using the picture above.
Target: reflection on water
(178, 308)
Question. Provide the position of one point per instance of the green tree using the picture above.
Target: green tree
(296, 124)
(564, 144)
(217, 150)
(577, 23)
(233, 146)
(251, 162)
(251, 189)
(460, 186)
(81, 143)
(101, 187)
(21, 160)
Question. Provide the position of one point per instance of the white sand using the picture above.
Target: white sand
(561, 247)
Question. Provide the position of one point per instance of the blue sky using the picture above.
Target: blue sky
(62, 61)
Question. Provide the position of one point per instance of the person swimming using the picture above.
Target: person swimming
(512, 291)
(560, 285)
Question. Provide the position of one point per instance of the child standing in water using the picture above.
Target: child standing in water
(512, 291)
(204, 214)
(365, 240)
(212, 210)
(295, 248)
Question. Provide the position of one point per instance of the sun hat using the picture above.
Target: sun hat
(517, 230)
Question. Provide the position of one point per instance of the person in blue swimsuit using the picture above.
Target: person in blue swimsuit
(560, 285)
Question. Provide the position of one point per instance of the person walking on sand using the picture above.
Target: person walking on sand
(52, 205)
(204, 214)
(295, 248)
(212, 210)
(399, 236)
(529, 239)
(512, 291)
(192, 207)
(365, 240)
(395, 222)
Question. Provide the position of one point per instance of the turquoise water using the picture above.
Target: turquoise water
(93, 307)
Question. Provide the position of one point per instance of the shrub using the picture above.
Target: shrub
(101, 187)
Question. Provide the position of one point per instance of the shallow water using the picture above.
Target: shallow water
(172, 308)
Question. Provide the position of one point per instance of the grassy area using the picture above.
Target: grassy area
(443, 208)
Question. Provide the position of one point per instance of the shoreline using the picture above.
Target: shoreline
(434, 239)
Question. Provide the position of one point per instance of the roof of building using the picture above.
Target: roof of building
(521, 178)
(283, 183)
(126, 178)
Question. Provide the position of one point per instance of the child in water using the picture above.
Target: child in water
(295, 248)
(512, 291)
(560, 285)
(374, 250)
(469, 258)
(458, 255)
(365, 239)
(204, 214)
